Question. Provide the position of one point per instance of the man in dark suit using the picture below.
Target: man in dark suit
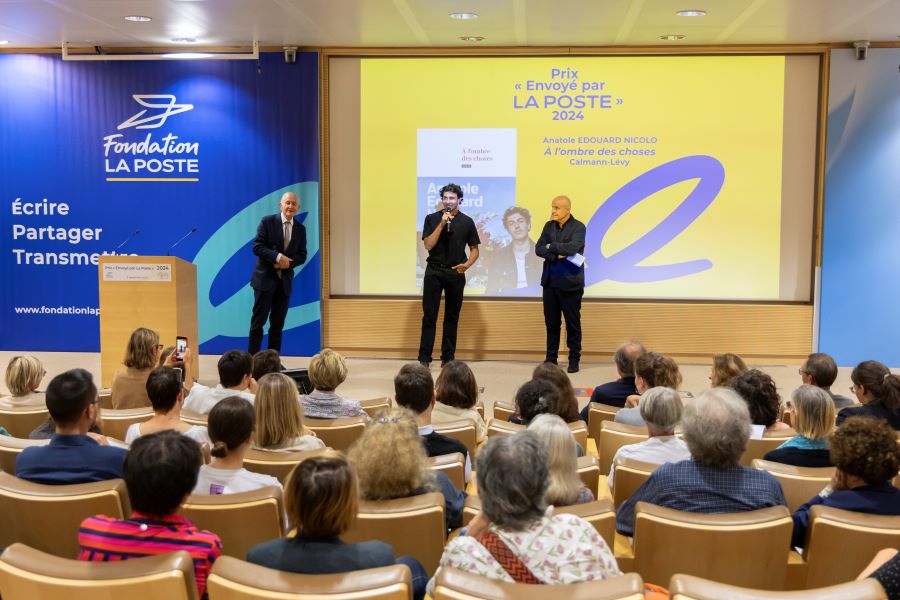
(561, 245)
(280, 245)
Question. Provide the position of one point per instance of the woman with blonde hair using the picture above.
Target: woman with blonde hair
(725, 367)
(279, 420)
(812, 417)
(23, 376)
(328, 370)
(390, 461)
(129, 386)
(565, 487)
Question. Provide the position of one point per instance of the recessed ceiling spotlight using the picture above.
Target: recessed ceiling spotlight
(3, 42)
(672, 37)
(138, 18)
(463, 16)
(691, 13)
(472, 38)
(184, 40)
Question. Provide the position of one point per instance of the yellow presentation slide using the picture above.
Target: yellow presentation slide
(673, 163)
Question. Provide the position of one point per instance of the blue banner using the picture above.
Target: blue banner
(97, 153)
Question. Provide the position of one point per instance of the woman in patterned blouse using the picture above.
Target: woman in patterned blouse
(552, 549)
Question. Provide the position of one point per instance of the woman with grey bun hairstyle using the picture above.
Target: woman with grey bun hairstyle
(516, 538)
(661, 410)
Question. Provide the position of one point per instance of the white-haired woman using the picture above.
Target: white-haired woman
(515, 538)
(661, 410)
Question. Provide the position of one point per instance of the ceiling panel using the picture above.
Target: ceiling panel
(418, 23)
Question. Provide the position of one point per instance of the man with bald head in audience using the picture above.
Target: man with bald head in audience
(616, 392)
(561, 245)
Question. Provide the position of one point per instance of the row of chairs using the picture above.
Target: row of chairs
(29, 573)
(47, 517)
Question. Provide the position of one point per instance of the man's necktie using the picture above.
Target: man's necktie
(287, 234)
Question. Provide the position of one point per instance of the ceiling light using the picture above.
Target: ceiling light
(254, 55)
(187, 55)
(463, 16)
(138, 18)
(671, 37)
(472, 38)
(3, 42)
(691, 13)
(184, 40)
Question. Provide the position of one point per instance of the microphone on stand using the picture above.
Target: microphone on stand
(181, 239)
(128, 239)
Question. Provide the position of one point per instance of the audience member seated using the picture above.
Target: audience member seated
(725, 367)
(533, 398)
(414, 390)
(456, 394)
(650, 370)
(885, 569)
(516, 538)
(759, 392)
(328, 370)
(279, 419)
(567, 407)
(322, 501)
(230, 424)
(661, 409)
(129, 385)
(166, 395)
(565, 487)
(72, 456)
(160, 472)
(23, 376)
(164, 355)
(616, 392)
(265, 362)
(716, 427)
(390, 462)
(812, 417)
(820, 370)
(866, 455)
(877, 390)
(235, 379)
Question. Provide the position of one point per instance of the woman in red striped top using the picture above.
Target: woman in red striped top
(160, 472)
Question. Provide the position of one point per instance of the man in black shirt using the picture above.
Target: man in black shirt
(563, 279)
(446, 234)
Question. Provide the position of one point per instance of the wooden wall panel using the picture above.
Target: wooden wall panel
(515, 329)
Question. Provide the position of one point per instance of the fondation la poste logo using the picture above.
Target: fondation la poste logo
(165, 158)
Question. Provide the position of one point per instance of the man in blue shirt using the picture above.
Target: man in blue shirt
(716, 427)
(72, 456)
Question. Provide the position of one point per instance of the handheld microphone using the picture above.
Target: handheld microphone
(448, 211)
(181, 239)
(128, 239)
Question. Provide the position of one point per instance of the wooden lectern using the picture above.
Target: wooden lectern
(157, 292)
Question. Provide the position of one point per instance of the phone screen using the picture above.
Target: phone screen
(180, 347)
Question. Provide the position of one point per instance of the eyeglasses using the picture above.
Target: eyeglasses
(852, 389)
(802, 372)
